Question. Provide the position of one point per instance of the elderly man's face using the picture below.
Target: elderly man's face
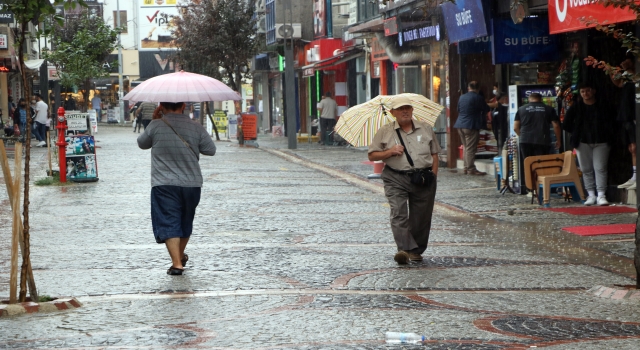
(403, 114)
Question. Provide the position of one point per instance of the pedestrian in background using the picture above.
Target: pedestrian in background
(176, 143)
(145, 111)
(627, 117)
(500, 121)
(70, 103)
(195, 110)
(328, 109)
(41, 120)
(20, 116)
(96, 103)
(407, 146)
(589, 121)
(532, 124)
(472, 112)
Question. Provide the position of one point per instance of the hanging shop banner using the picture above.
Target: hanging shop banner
(528, 41)
(81, 158)
(464, 20)
(477, 45)
(566, 15)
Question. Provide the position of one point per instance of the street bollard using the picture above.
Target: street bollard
(62, 144)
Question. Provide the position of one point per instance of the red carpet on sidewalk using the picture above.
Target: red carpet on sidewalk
(594, 210)
(601, 229)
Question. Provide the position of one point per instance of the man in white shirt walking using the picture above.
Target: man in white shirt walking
(40, 120)
(328, 109)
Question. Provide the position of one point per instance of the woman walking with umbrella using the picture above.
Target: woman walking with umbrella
(176, 143)
(176, 180)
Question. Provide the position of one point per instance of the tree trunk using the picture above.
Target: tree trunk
(26, 254)
(215, 129)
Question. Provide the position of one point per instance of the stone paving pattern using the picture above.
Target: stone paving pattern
(299, 255)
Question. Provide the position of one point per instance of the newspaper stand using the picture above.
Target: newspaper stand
(80, 156)
(249, 124)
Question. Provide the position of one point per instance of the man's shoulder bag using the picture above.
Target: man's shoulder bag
(420, 177)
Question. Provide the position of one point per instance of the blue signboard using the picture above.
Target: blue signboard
(464, 20)
(477, 45)
(528, 41)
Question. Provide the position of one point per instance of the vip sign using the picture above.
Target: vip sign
(569, 15)
(155, 27)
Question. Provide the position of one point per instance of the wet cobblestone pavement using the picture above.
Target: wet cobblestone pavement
(293, 250)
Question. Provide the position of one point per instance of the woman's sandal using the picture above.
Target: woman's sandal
(174, 271)
(184, 260)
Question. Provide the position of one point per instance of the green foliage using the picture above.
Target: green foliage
(216, 34)
(80, 48)
(627, 40)
(45, 298)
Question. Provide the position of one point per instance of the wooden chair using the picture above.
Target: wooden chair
(536, 166)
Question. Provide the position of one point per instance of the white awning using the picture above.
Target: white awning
(33, 64)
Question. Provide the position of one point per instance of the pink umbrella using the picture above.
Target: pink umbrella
(182, 87)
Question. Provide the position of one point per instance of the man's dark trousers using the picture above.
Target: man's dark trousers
(410, 224)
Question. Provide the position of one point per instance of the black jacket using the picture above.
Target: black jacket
(574, 119)
(16, 115)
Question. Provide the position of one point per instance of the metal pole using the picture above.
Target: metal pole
(120, 82)
(290, 96)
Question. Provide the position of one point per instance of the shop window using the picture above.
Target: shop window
(123, 20)
(367, 9)
(533, 73)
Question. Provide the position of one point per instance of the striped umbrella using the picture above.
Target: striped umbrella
(359, 124)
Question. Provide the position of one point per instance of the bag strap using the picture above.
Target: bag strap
(183, 141)
(405, 149)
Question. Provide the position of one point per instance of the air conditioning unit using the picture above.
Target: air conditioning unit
(261, 25)
(292, 31)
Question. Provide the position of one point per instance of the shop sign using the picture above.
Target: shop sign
(528, 41)
(377, 51)
(565, 15)
(52, 73)
(309, 72)
(155, 25)
(390, 26)
(424, 32)
(477, 45)
(3, 41)
(77, 121)
(155, 63)
(464, 20)
(353, 12)
(6, 17)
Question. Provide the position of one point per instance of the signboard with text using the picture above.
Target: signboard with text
(424, 32)
(566, 15)
(154, 18)
(528, 41)
(464, 20)
(77, 121)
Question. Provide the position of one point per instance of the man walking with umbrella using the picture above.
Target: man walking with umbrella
(410, 150)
